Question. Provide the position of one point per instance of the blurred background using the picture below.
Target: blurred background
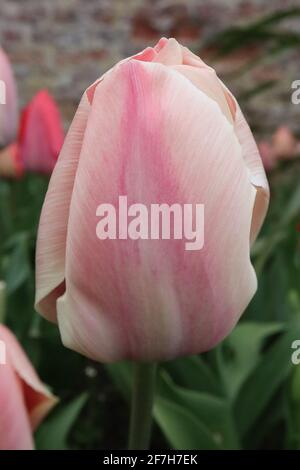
(246, 392)
(63, 45)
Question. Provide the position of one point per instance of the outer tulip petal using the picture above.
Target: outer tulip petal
(206, 80)
(152, 299)
(8, 111)
(24, 400)
(38, 400)
(15, 431)
(41, 134)
(51, 246)
(257, 173)
(254, 163)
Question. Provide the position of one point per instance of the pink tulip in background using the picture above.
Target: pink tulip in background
(24, 400)
(40, 134)
(159, 127)
(9, 109)
(40, 138)
(283, 146)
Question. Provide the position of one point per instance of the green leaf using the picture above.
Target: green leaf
(182, 429)
(6, 225)
(265, 380)
(212, 412)
(192, 372)
(293, 432)
(53, 433)
(293, 207)
(18, 268)
(241, 351)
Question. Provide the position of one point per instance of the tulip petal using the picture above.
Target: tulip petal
(254, 163)
(206, 80)
(24, 400)
(51, 245)
(37, 399)
(258, 177)
(161, 43)
(169, 53)
(15, 430)
(147, 55)
(156, 139)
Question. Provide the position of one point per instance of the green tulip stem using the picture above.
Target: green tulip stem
(142, 405)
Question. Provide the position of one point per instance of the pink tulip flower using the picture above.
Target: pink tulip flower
(40, 134)
(24, 400)
(160, 127)
(8, 102)
(284, 144)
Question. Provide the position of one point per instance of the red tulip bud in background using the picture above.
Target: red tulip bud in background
(40, 134)
(39, 140)
(160, 127)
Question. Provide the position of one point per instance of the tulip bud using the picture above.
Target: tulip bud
(24, 400)
(159, 128)
(40, 134)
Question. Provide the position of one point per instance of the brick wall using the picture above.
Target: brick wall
(65, 45)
